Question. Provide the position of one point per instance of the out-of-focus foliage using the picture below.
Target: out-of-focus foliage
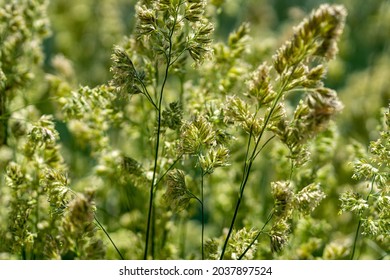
(189, 129)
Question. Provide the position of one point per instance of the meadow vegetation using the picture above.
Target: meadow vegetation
(193, 129)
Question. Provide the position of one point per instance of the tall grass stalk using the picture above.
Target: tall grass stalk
(253, 154)
(153, 186)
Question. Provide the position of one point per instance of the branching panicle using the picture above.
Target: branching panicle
(125, 76)
(309, 198)
(172, 116)
(279, 235)
(177, 196)
(260, 87)
(371, 207)
(196, 136)
(239, 242)
(283, 195)
(215, 157)
(238, 39)
(194, 10)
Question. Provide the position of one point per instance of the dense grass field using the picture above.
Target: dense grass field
(192, 129)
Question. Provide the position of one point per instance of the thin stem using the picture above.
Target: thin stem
(253, 156)
(266, 142)
(102, 227)
(152, 185)
(355, 240)
(3, 118)
(258, 234)
(239, 198)
(195, 197)
(202, 211)
(109, 237)
(169, 168)
(247, 155)
(153, 231)
(179, 55)
(360, 222)
(149, 223)
(146, 93)
(247, 169)
(156, 155)
(232, 223)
